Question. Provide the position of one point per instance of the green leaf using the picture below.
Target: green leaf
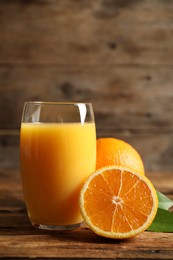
(164, 202)
(163, 221)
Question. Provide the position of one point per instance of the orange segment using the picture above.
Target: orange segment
(112, 151)
(118, 203)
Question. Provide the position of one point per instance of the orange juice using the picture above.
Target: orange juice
(55, 158)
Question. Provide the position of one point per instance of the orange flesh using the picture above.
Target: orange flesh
(114, 201)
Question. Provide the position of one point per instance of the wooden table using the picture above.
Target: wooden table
(18, 239)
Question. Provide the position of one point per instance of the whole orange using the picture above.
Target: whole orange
(112, 151)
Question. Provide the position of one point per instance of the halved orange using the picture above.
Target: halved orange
(118, 203)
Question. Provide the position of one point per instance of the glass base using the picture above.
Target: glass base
(56, 228)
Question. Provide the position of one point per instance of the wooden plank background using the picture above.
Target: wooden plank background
(117, 54)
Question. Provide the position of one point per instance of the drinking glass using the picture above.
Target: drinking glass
(57, 153)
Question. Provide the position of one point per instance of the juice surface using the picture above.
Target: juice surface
(55, 161)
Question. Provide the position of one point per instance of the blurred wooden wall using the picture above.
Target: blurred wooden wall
(117, 54)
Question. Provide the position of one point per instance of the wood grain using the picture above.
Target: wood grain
(116, 54)
(18, 239)
(90, 32)
(83, 244)
(123, 97)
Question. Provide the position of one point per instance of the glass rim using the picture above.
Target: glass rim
(56, 103)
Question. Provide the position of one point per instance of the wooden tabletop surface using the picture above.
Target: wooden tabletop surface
(19, 240)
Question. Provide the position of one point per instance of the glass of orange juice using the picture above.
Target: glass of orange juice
(57, 153)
